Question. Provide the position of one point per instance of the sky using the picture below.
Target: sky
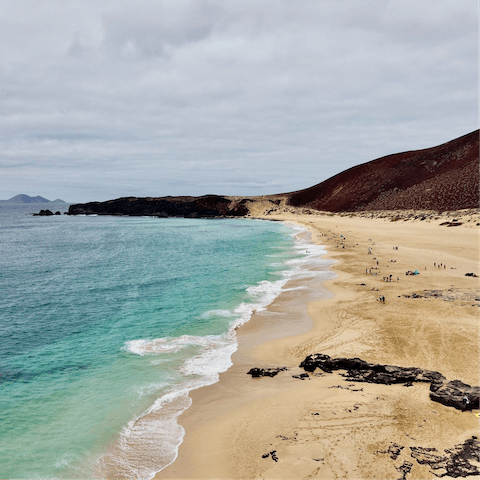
(101, 99)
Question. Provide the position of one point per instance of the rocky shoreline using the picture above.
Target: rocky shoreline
(208, 206)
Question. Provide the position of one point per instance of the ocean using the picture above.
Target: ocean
(106, 324)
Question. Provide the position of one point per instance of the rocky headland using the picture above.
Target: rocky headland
(208, 206)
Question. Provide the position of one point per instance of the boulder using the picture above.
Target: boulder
(455, 394)
(43, 213)
(265, 372)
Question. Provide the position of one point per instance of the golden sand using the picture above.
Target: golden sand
(326, 427)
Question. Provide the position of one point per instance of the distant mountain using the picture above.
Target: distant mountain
(22, 198)
(439, 178)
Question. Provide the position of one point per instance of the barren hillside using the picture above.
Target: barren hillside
(440, 178)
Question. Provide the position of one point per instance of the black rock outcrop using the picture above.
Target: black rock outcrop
(455, 393)
(208, 206)
(455, 462)
(44, 213)
(265, 372)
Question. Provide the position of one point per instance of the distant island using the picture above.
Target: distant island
(22, 198)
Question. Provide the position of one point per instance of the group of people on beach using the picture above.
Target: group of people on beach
(390, 278)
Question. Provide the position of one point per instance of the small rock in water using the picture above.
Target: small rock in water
(44, 213)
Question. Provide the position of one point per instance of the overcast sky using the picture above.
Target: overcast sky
(102, 99)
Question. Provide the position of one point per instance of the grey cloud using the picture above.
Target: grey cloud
(175, 97)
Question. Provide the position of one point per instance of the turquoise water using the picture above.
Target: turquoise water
(107, 323)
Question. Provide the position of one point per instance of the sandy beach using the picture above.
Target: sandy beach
(325, 426)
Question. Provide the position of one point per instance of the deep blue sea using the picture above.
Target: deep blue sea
(106, 324)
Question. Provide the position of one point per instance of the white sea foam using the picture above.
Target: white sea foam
(168, 345)
(302, 287)
(148, 389)
(217, 313)
(150, 442)
(213, 358)
(156, 431)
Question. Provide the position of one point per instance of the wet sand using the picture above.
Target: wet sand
(325, 426)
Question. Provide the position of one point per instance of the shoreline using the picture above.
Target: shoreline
(326, 427)
(285, 317)
(292, 262)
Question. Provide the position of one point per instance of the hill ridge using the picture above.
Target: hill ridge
(444, 177)
(23, 198)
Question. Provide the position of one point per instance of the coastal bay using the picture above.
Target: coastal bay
(327, 426)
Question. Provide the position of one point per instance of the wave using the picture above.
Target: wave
(170, 345)
(150, 442)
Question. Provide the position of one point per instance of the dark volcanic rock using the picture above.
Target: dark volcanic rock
(265, 372)
(43, 213)
(441, 178)
(302, 376)
(454, 394)
(451, 224)
(405, 468)
(455, 462)
(361, 371)
(393, 450)
(188, 207)
(273, 454)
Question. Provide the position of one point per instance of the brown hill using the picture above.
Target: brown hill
(440, 178)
